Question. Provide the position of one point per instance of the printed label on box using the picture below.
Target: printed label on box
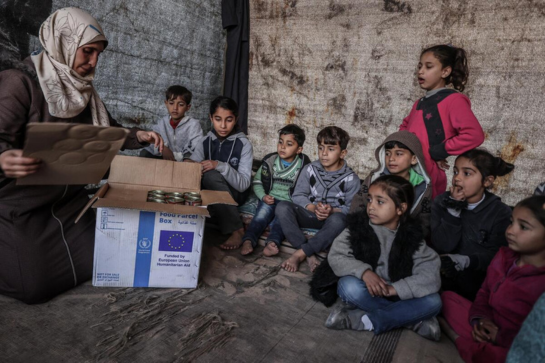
(147, 249)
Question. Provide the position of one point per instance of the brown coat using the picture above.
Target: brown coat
(422, 207)
(42, 251)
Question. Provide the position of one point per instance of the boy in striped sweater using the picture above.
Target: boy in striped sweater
(321, 200)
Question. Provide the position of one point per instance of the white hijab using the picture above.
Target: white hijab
(66, 92)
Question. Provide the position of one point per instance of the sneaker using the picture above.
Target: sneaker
(428, 329)
(345, 316)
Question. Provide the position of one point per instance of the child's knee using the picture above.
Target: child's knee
(212, 177)
(433, 301)
(282, 208)
(350, 288)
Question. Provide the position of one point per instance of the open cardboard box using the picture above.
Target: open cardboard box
(131, 178)
(146, 244)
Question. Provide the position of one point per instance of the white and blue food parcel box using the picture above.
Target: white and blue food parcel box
(146, 244)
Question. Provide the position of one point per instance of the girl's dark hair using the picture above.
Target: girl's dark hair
(224, 102)
(399, 190)
(536, 205)
(455, 58)
(487, 164)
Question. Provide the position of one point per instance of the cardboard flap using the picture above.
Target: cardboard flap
(152, 207)
(71, 153)
(210, 197)
(99, 194)
(155, 173)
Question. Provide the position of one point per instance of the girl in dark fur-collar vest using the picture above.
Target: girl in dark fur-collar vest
(381, 267)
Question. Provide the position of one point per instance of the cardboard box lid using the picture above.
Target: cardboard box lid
(71, 153)
(155, 173)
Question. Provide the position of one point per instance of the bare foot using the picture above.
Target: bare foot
(247, 248)
(271, 249)
(292, 263)
(234, 241)
(313, 262)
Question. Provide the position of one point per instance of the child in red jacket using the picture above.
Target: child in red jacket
(485, 329)
(442, 119)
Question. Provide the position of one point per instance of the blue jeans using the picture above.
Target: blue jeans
(387, 314)
(264, 215)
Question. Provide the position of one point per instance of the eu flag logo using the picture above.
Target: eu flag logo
(176, 241)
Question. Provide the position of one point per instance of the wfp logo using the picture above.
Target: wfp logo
(234, 161)
(144, 243)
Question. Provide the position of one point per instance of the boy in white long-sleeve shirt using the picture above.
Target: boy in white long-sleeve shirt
(181, 133)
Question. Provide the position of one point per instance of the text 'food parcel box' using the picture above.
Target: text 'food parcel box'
(146, 244)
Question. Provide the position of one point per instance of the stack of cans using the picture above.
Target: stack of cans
(157, 196)
(193, 199)
(190, 198)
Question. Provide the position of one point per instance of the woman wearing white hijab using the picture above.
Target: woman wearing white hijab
(42, 251)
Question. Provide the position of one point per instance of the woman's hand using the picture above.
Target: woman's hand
(485, 331)
(268, 200)
(208, 165)
(375, 284)
(15, 165)
(150, 137)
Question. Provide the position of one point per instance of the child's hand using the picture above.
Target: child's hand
(208, 165)
(443, 165)
(391, 291)
(457, 193)
(168, 154)
(375, 284)
(485, 331)
(323, 211)
(268, 199)
(150, 137)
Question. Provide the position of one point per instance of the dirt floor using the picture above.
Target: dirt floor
(246, 309)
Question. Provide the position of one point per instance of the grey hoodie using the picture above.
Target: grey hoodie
(234, 155)
(422, 204)
(182, 140)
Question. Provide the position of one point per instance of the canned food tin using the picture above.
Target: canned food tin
(152, 200)
(192, 194)
(174, 195)
(157, 191)
(193, 201)
(175, 200)
(156, 196)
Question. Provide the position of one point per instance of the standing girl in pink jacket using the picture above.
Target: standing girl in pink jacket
(442, 119)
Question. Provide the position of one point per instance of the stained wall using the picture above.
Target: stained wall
(352, 64)
(152, 44)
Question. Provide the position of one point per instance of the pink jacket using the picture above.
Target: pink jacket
(461, 132)
(508, 295)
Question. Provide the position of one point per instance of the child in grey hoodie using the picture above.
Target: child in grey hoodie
(380, 266)
(401, 154)
(181, 133)
(226, 156)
